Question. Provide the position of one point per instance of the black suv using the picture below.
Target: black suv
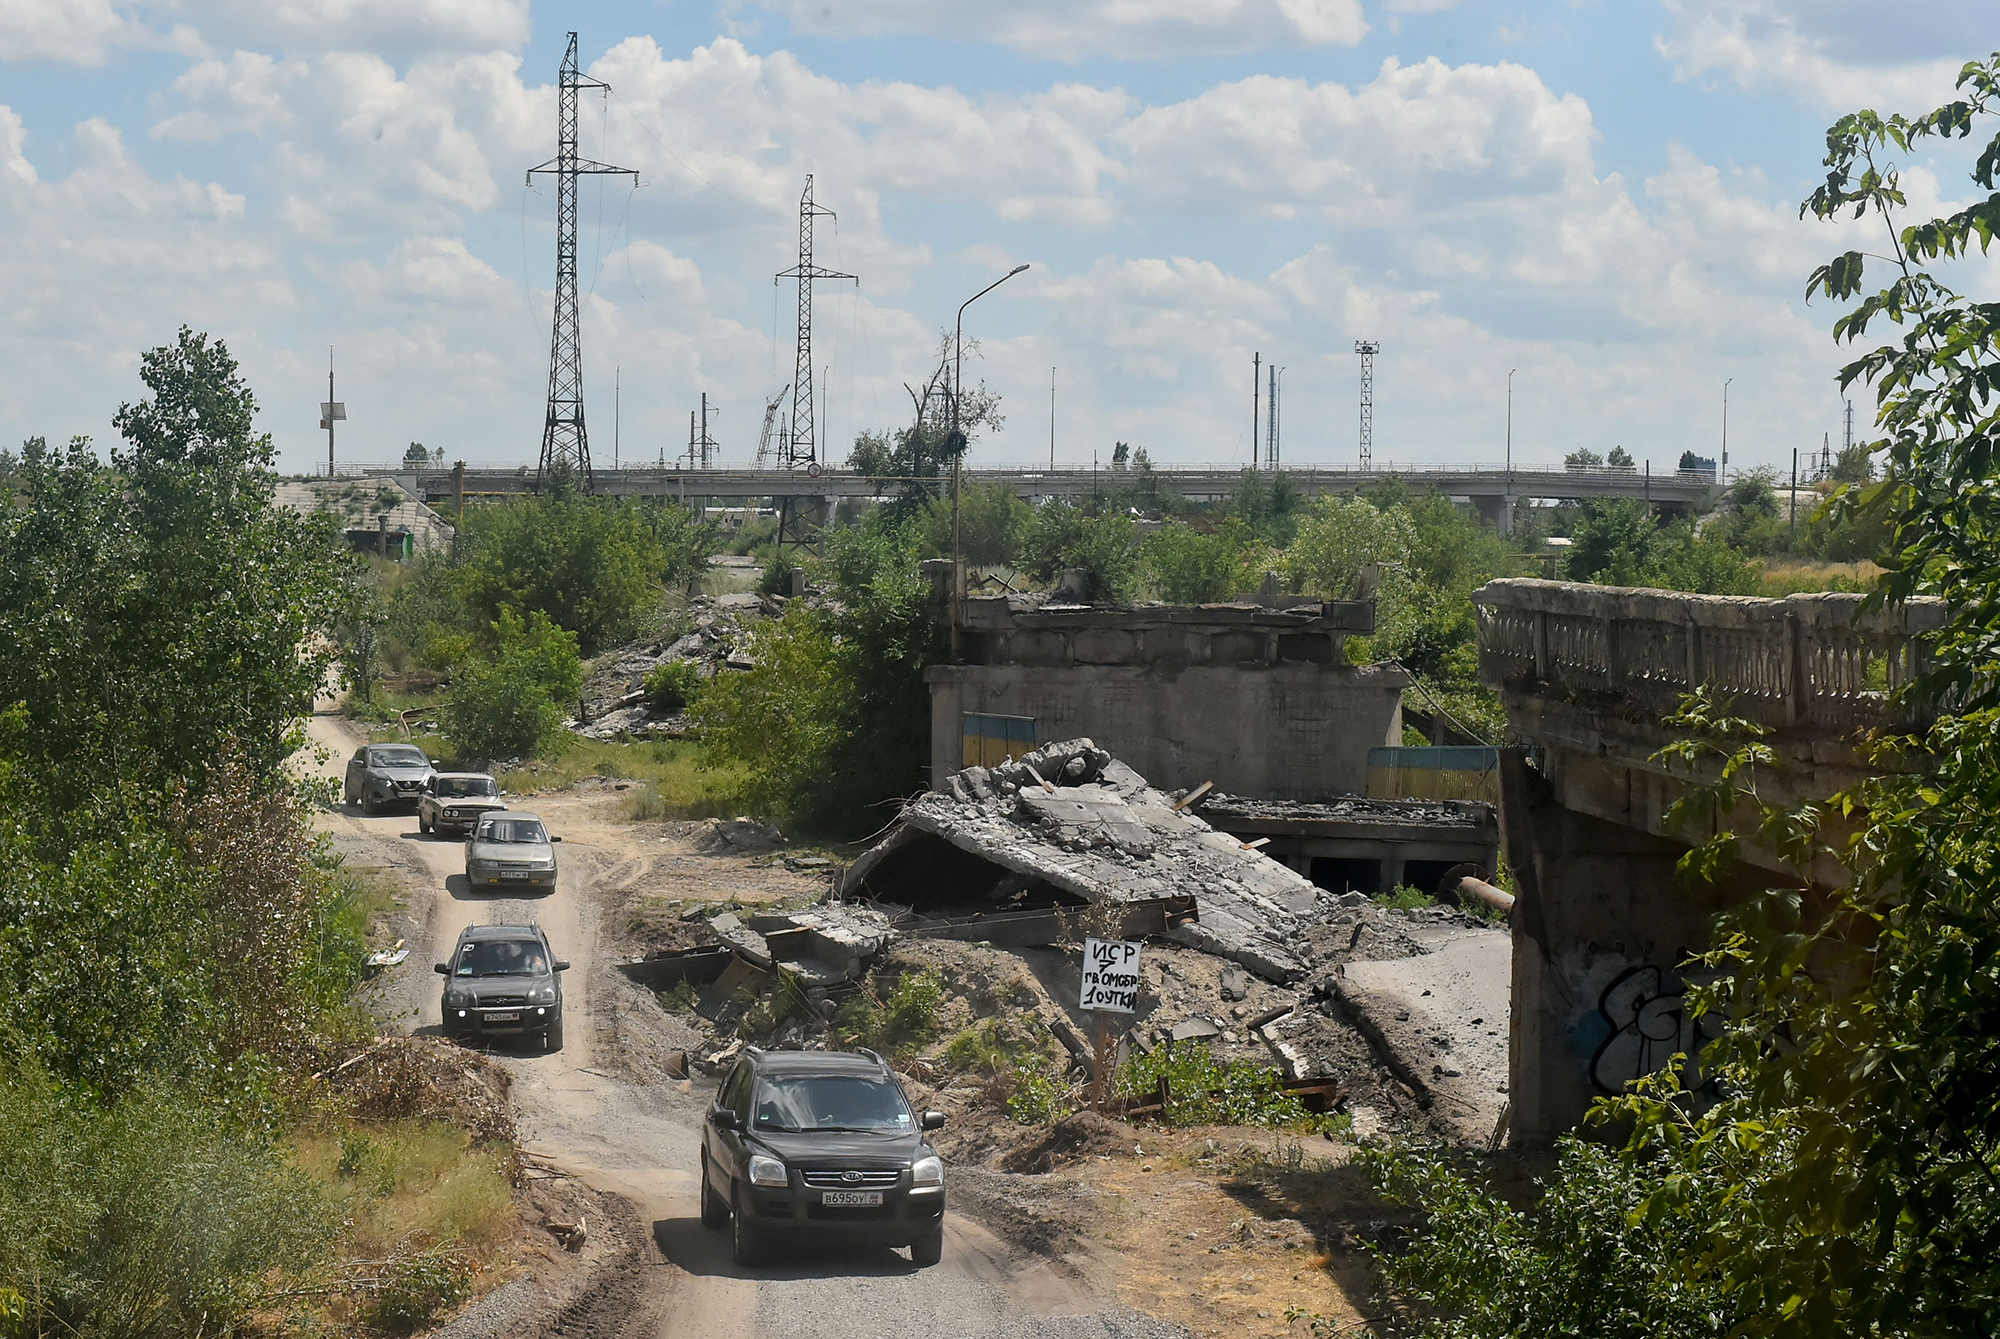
(821, 1143)
(502, 981)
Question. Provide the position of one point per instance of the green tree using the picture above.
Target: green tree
(1269, 504)
(1338, 536)
(513, 705)
(1104, 547)
(1583, 458)
(590, 564)
(991, 523)
(1188, 566)
(161, 608)
(1620, 459)
(834, 717)
(917, 460)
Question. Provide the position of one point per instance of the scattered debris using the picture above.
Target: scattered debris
(570, 1235)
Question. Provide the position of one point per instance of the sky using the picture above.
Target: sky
(1600, 195)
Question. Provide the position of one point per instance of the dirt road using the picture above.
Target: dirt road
(583, 1111)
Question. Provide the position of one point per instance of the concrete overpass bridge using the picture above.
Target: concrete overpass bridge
(1492, 489)
(1602, 924)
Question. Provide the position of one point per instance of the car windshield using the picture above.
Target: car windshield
(512, 830)
(502, 957)
(832, 1102)
(398, 758)
(466, 787)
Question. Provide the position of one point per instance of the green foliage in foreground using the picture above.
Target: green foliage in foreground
(514, 704)
(1105, 548)
(159, 605)
(1202, 1090)
(146, 1220)
(671, 685)
(1588, 1259)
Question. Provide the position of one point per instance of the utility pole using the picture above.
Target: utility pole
(616, 404)
(707, 442)
(1510, 433)
(1052, 420)
(330, 411)
(1367, 348)
(564, 439)
(1256, 394)
(800, 447)
(955, 443)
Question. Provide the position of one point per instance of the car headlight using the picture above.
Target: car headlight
(767, 1171)
(927, 1172)
(543, 994)
(542, 864)
(457, 999)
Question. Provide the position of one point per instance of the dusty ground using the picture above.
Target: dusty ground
(603, 1114)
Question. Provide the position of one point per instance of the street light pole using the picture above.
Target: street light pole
(1510, 435)
(955, 442)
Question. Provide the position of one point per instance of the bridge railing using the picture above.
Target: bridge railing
(1812, 661)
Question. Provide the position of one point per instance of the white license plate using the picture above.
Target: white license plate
(503, 1018)
(851, 1199)
(517, 875)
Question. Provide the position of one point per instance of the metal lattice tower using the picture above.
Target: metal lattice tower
(802, 449)
(1272, 440)
(771, 407)
(565, 441)
(1367, 348)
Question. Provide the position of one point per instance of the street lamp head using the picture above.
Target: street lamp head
(1017, 269)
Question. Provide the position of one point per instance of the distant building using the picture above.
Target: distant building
(377, 514)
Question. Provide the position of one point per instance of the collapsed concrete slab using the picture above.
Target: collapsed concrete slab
(1070, 823)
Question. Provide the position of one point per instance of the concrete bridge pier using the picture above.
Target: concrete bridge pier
(1602, 927)
(1497, 510)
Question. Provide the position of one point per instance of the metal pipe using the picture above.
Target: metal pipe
(1478, 890)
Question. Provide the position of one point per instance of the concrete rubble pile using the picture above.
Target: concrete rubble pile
(1071, 817)
(614, 693)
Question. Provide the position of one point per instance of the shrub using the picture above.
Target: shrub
(146, 1218)
(1201, 1090)
(416, 1290)
(513, 705)
(1105, 548)
(672, 685)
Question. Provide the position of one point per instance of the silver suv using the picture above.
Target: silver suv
(379, 775)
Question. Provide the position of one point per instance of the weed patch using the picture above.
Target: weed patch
(1201, 1090)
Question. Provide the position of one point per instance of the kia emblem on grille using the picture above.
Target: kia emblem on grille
(852, 1178)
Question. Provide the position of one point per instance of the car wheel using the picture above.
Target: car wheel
(714, 1208)
(424, 826)
(928, 1249)
(747, 1242)
(368, 805)
(552, 1038)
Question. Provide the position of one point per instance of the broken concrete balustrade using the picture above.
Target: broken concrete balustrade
(1068, 824)
(815, 950)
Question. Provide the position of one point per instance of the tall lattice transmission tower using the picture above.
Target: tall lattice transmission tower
(1273, 439)
(801, 447)
(565, 441)
(1367, 348)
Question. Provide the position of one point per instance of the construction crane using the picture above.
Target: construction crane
(771, 407)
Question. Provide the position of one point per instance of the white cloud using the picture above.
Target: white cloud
(1074, 29)
(1836, 55)
(84, 32)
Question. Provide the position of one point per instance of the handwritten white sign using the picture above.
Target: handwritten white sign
(1110, 975)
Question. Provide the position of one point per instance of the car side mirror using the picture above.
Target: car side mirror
(725, 1119)
(441, 969)
(562, 964)
(554, 838)
(933, 1120)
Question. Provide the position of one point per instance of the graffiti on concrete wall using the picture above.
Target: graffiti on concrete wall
(1648, 1022)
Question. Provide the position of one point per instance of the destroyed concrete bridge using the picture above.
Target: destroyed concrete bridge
(1602, 926)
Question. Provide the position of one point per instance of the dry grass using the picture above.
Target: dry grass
(1792, 576)
(411, 1183)
(674, 783)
